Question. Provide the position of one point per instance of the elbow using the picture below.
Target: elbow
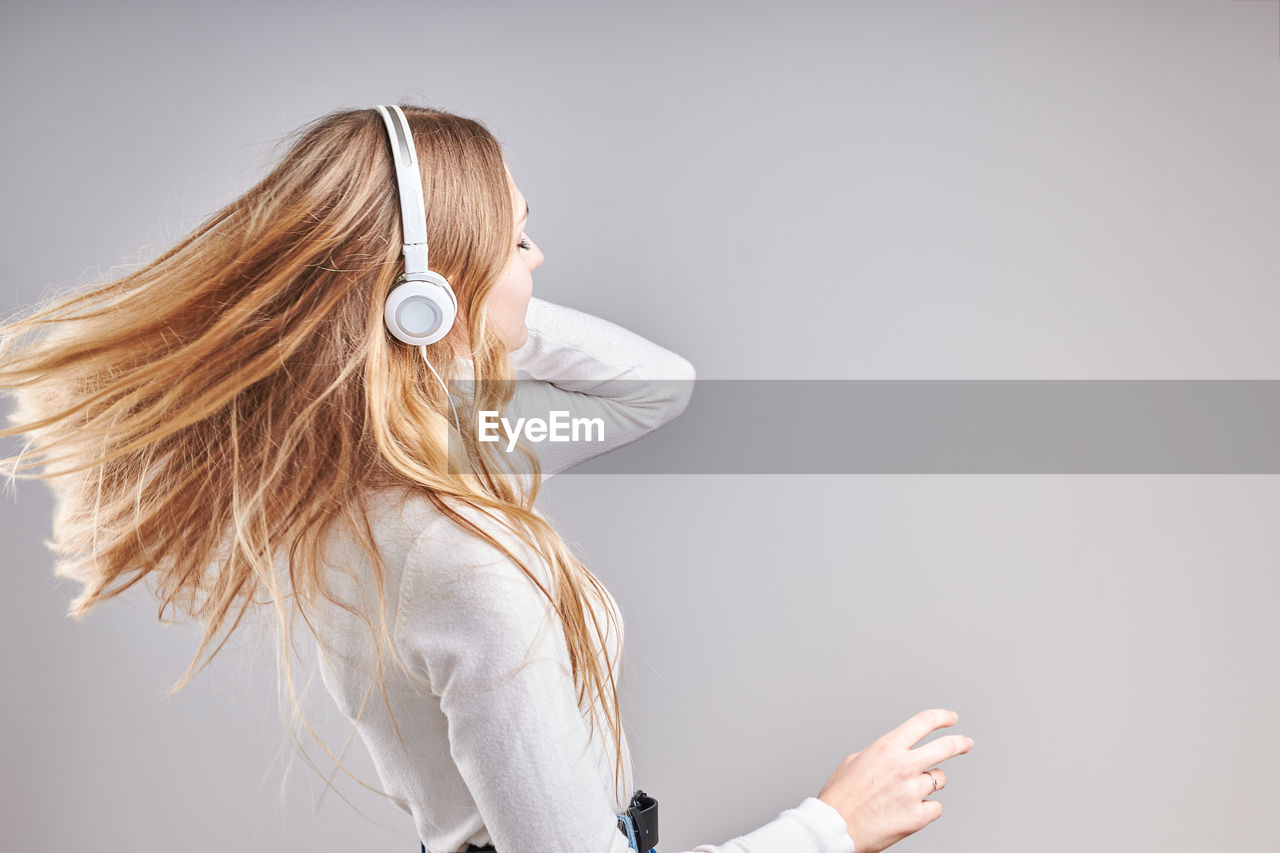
(664, 392)
(677, 387)
(683, 386)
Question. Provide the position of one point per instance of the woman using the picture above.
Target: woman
(239, 423)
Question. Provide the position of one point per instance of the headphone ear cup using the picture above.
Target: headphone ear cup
(421, 310)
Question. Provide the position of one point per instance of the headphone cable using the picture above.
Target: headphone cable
(423, 349)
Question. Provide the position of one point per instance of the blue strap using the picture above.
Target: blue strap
(630, 827)
(630, 830)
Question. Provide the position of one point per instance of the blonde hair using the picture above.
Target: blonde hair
(238, 396)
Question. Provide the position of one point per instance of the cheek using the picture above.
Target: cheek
(510, 300)
(517, 284)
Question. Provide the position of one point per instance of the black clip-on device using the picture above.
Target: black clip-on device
(643, 811)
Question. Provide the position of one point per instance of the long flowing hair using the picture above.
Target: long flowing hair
(237, 397)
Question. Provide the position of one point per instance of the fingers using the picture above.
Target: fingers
(913, 730)
(930, 810)
(939, 750)
(927, 779)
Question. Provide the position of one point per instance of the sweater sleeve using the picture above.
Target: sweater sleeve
(593, 368)
(493, 650)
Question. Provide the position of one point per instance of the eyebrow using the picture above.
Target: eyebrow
(526, 211)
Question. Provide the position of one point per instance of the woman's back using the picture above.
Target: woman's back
(463, 617)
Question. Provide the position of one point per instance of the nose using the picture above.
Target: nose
(536, 260)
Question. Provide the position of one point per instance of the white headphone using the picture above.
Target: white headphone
(421, 306)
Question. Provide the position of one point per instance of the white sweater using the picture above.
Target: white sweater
(497, 748)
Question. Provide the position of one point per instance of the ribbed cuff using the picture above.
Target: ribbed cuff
(829, 827)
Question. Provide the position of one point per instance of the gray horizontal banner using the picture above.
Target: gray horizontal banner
(818, 426)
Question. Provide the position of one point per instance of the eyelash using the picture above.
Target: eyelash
(524, 243)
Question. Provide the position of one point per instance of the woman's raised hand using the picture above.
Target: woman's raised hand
(880, 791)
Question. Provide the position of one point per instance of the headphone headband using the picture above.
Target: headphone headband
(421, 307)
(413, 214)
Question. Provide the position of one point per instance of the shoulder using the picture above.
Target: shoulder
(412, 523)
(468, 614)
(471, 560)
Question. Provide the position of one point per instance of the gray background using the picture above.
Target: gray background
(893, 189)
